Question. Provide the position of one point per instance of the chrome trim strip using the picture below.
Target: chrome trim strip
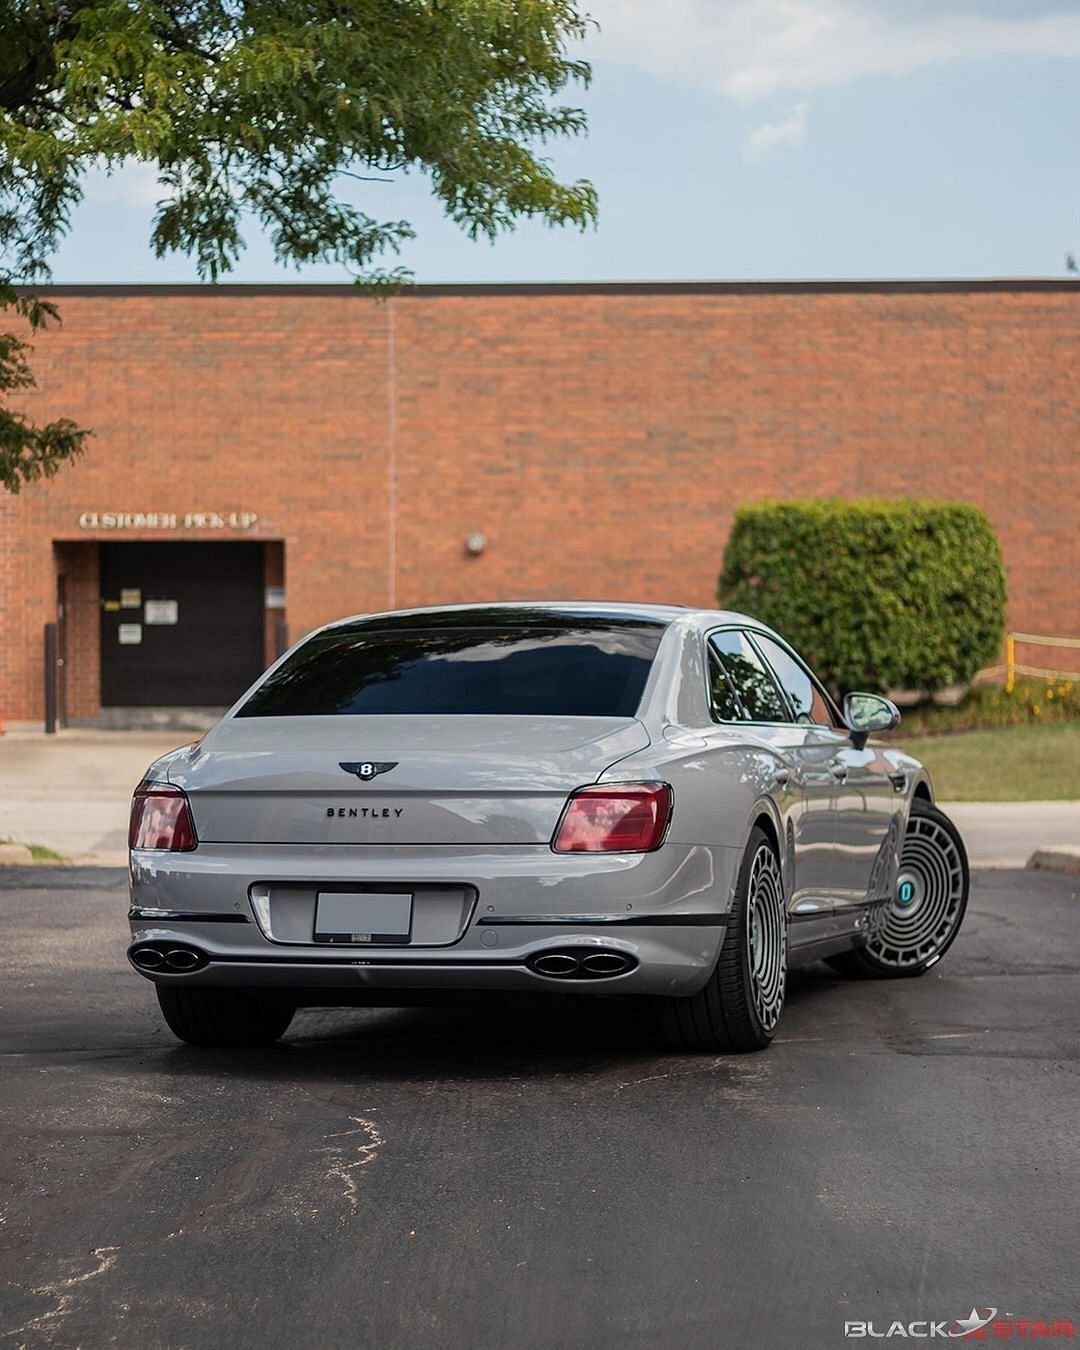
(608, 920)
(339, 962)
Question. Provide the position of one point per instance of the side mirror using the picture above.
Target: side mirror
(866, 713)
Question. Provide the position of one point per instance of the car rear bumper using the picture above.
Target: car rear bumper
(664, 912)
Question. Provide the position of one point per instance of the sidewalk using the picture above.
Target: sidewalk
(1006, 834)
(71, 792)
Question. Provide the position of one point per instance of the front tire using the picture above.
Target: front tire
(927, 907)
(739, 1008)
(223, 1016)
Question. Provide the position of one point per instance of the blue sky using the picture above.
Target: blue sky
(754, 139)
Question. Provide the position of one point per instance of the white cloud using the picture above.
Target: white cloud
(132, 184)
(754, 49)
(788, 133)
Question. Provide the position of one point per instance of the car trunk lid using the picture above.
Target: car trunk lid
(468, 780)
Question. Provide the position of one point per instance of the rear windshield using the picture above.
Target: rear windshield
(581, 669)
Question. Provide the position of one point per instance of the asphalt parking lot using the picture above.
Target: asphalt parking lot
(536, 1175)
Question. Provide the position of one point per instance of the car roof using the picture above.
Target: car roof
(528, 613)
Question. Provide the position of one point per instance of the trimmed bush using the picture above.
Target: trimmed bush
(875, 595)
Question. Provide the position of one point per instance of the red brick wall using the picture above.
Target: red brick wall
(599, 438)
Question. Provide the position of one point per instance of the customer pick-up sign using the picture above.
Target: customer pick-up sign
(168, 520)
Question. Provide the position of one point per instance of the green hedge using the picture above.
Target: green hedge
(875, 594)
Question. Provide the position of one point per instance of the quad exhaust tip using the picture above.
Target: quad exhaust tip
(581, 963)
(183, 958)
(605, 963)
(557, 964)
(167, 958)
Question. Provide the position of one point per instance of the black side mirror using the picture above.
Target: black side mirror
(866, 713)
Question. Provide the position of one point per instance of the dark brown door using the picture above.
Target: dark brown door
(182, 625)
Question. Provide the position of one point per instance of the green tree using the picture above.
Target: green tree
(266, 111)
(28, 451)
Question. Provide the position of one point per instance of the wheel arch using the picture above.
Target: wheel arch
(764, 821)
(766, 817)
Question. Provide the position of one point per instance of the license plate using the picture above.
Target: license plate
(363, 916)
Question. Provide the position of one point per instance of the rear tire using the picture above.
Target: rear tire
(223, 1016)
(918, 931)
(740, 1006)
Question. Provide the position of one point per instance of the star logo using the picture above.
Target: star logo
(973, 1327)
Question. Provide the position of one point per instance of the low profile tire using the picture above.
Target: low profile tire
(927, 908)
(223, 1016)
(740, 1006)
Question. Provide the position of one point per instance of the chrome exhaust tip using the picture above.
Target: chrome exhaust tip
(559, 965)
(581, 963)
(605, 963)
(167, 958)
(182, 959)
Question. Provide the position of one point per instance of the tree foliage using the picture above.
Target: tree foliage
(268, 110)
(876, 595)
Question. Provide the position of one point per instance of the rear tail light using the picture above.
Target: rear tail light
(161, 818)
(623, 818)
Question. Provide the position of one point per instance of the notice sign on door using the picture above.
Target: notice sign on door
(130, 598)
(161, 611)
(129, 634)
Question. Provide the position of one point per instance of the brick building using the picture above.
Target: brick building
(266, 458)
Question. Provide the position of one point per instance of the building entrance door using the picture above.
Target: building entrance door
(182, 625)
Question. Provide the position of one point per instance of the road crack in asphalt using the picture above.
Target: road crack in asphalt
(671, 1073)
(63, 1291)
(743, 1078)
(340, 1169)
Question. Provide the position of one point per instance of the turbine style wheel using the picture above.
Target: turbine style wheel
(766, 938)
(740, 1006)
(928, 903)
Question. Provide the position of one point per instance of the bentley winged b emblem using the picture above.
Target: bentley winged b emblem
(368, 769)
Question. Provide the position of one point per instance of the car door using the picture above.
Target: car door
(744, 691)
(869, 824)
(866, 805)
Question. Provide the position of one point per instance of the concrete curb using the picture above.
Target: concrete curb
(1065, 860)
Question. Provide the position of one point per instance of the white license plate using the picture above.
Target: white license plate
(363, 916)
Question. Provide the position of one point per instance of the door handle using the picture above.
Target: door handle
(838, 769)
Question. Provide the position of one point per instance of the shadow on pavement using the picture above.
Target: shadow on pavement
(501, 1038)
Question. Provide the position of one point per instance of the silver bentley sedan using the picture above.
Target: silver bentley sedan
(598, 798)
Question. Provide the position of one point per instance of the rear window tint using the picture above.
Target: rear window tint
(581, 669)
